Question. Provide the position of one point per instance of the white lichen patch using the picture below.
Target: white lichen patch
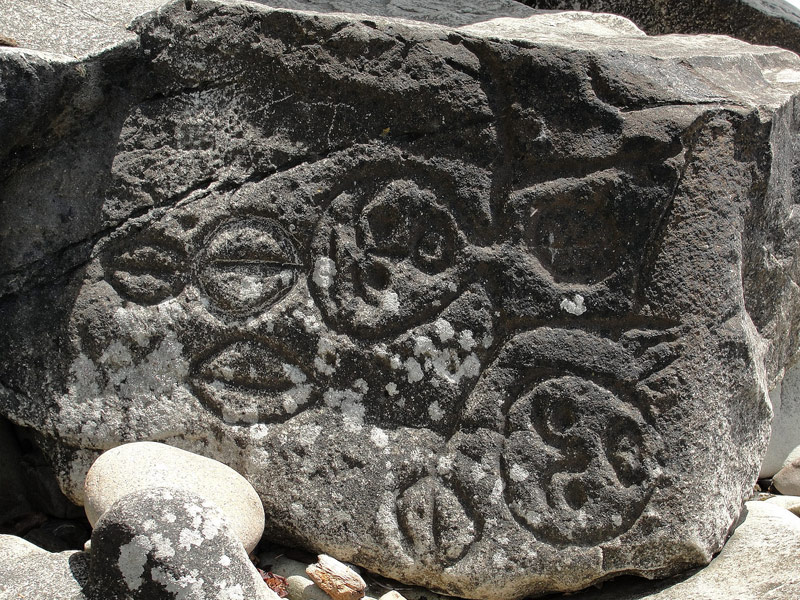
(466, 341)
(446, 363)
(132, 560)
(435, 412)
(391, 388)
(225, 560)
(233, 592)
(294, 373)
(517, 473)
(396, 362)
(189, 537)
(443, 329)
(327, 359)
(297, 396)
(324, 272)
(349, 402)
(378, 437)
(497, 491)
(390, 302)
(414, 370)
(310, 323)
(249, 288)
(185, 587)
(574, 306)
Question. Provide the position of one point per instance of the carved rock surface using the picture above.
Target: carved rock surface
(478, 308)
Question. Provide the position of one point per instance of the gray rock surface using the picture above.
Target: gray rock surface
(759, 562)
(477, 308)
(168, 544)
(766, 22)
(83, 27)
(146, 465)
(27, 571)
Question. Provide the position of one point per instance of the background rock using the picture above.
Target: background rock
(477, 308)
(27, 571)
(766, 22)
(147, 465)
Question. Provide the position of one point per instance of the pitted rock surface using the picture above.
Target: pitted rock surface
(431, 290)
(164, 544)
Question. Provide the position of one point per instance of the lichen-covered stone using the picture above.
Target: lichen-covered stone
(482, 308)
(147, 465)
(169, 544)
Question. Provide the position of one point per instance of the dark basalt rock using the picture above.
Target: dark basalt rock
(475, 308)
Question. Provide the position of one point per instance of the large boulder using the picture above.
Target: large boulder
(483, 308)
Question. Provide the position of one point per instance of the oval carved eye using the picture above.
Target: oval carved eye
(147, 271)
(247, 265)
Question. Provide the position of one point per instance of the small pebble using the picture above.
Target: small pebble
(336, 579)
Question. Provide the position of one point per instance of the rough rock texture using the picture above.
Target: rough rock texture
(759, 562)
(767, 22)
(147, 465)
(165, 544)
(83, 27)
(481, 309)
(27, 571)
(785, 427)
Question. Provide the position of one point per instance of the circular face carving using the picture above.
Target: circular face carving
(247, 265)
(578, 461)
(387, 258)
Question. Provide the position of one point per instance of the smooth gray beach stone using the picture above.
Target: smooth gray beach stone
(477, 308)
(165, 544)
(146, 465)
